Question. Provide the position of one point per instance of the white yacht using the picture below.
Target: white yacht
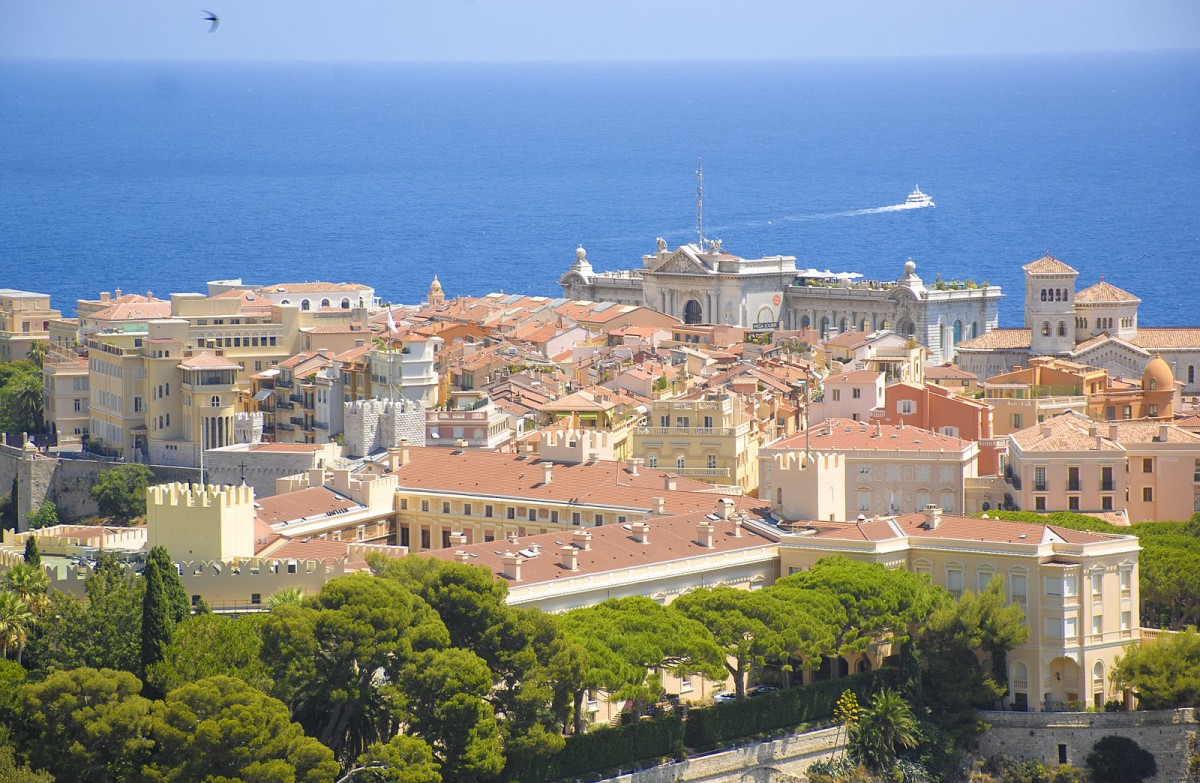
(917, 199)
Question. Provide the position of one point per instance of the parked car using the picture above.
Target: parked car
(721, 696)
(762, 689)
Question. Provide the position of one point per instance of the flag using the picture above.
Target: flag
(391, 322)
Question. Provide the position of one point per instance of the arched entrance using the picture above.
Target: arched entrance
(692, 312)
(1062, 685)
(906, 328)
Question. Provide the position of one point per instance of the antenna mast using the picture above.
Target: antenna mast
(700, 202)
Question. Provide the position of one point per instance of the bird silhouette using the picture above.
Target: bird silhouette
(209, 16)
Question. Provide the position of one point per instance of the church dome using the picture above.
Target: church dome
(435, 286)
(1157, 375)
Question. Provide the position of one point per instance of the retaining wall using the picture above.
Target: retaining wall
(1168, 734)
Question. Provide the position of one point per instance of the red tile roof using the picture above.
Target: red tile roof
(1049, 265)
(847, 435)
(294, 506)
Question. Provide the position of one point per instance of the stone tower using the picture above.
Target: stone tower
(436, 295)
(1050, 306)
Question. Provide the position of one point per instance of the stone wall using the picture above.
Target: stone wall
(65, 482)
(776, 761)
(1168, 734)
(372, 425)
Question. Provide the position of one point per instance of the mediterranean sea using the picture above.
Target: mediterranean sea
(161, 176)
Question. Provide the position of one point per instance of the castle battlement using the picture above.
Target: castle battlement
(791, 461)
(196, 495)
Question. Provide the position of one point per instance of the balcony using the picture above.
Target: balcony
(283, 425)
(683, 431)
(1038, 486)
(297, 420)
(321, 425)
(1108, 485)
(698, 472)
(296, 397)
(284, 404)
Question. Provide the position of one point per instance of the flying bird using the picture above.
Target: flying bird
(209, 16)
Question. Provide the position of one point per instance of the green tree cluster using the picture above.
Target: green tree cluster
(21, 397)
(120, 492)
(1165, 673)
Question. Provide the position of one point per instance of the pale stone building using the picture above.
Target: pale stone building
(704, 283)
(25, 319)
(708, 436)
(1097, 326)
(373, 425)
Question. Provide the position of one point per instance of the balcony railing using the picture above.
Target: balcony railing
(297, 420)
(700, 472)
(296, 397)
(1073, 486)
(1108, 486)
(685, 430)
(1038, 486)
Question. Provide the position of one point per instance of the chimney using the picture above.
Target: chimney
(105, 296)
(511, 566)
(634, 464)
(150, 295)
(593, 457)
(118, 293)
(460, 444)
(878, 430)
(1112, 430)
(547, 472)
(570, 558)
(737, 527)
(659, 507)
(582, 539)
(1094, 430)
(704, 534)
(458, 538)
(1164, 433)
(1044, 428)
(933, 516)
(461, 557)
(669, 482)
(724, 507)
(641, 532)
(405, 455)
(512, 537)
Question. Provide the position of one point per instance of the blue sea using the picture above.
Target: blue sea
(161, 176)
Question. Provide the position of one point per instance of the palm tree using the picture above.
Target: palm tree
(883, 727)
(15, 621)
(27, 404)
(285, 596)
(30, 584)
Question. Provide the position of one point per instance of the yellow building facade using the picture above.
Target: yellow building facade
(709, 437)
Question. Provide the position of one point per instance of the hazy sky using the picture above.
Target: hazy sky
(591, 30)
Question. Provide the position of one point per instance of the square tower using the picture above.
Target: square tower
(1050, 306)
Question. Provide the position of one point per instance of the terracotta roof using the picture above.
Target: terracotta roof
(312, 549)
(998, 339)
(294, 506)
(850, 340)
(311, 288)
(585, 400)
(1049, 265)
(1103, 292)
(847, 435)
(954, 528)
(612, 548)
(1070, 431)
(1150, 431)
(208, 361)
(945, 373)
(1155, 338)
(134, 311)
(855, 376)
(496, 475)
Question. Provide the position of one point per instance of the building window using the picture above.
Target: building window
(1196, 472)
(466, 509)
(1039, 479)
(1153, 410)
(512, 513)
(599, 519)
(954, 581)
(1127, 412)
(533, 515)
(574, 517)
(1106, 503)
(837, 395)
(985, 578)
(652, 461)
(256, 598)
(445, 507)
(487, 510)
(680, 462)
(1097, 626)
(1126, 579)
(1073, 503)
(1018, 588)
(1045, 328)
(1016, 421)
(906, 407)
(864, 501)
(712, 461)
(424, 505)
(1070, 627)
(1126, 620)
(1147, 494)
(1039, 503)
(1148, 465)
(856, 393)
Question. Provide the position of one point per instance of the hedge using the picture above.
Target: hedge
(781, 709)
(607, 748)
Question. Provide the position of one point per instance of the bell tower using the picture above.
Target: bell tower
(436, 295)
(1050, 306)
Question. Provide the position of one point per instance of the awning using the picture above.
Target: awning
(262, 395)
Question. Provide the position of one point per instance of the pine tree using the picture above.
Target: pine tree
(32, 556)
(177, 597)
(156, 620)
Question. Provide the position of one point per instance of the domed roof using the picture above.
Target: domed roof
(435, 285)
(1157, 375)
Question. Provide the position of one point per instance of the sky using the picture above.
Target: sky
(472, 30)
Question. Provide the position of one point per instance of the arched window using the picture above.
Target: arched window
(1045, 328)
(652, 460)
(824, 326)
(304, 304)
(1191, 373)
(345, 303)
(284, 301)
(324, 303)
(805, 322)
(974, 328)
(842, 326)
(215, 401)
(957, 332)
(1043, 294)
(680, 462)
(1062, 328)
